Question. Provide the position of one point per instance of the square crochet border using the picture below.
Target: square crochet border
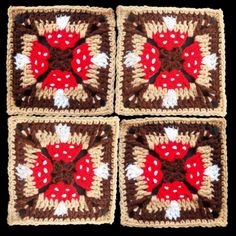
(12, 215)
(127, 221)
(121, 12)
(12, 109)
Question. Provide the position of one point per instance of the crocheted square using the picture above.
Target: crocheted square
(62, 171)
(173, 172)
(60, 60)
(170, 61)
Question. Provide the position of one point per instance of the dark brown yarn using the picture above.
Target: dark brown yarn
(209, 135)
(171, 60)
(173, 171)
(25, 24)
(99, 134)
(207, 97)
(63, 171)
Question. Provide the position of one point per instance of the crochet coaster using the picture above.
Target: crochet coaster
(60, 60)
(173, 172)
(170, 61)
(62, 171)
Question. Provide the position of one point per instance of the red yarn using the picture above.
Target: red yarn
(150, 60)
(81, 61)
(172, 150)
(61, 192)
(41, 170)
(170, 39)
(58, 79)
(62, 39)
(66, 152)
(152, 172)
(174, 191)
(193, 59)
(38, 58)
(171, 80)
(194, 167)
(84, 172)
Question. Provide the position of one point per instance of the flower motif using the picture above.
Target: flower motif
(64, 165)
(61, 81)
(175, 170)
(171, 61)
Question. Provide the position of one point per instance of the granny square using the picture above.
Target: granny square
(60, 60)
(170, 61)
(62, 171)
(173, 172)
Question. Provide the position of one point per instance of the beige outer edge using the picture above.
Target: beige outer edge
(13, 218)
(122, 12)
(12, 109)
(127, 221)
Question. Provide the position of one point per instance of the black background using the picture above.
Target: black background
(116, 228)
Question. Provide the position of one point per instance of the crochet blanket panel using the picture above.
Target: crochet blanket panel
(61, 60)
(173, 173)
(62, 172)
(170, 61)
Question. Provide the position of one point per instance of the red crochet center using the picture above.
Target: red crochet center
(39, 55)
(61, 192)
(171, 151)
(62, 39)
(150, 60)
(57, 79)
(66, 152)
(174, 79)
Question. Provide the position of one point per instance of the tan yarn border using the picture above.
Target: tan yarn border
(127, 221)
(13, 218)
(123, 11)
(12, 109)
